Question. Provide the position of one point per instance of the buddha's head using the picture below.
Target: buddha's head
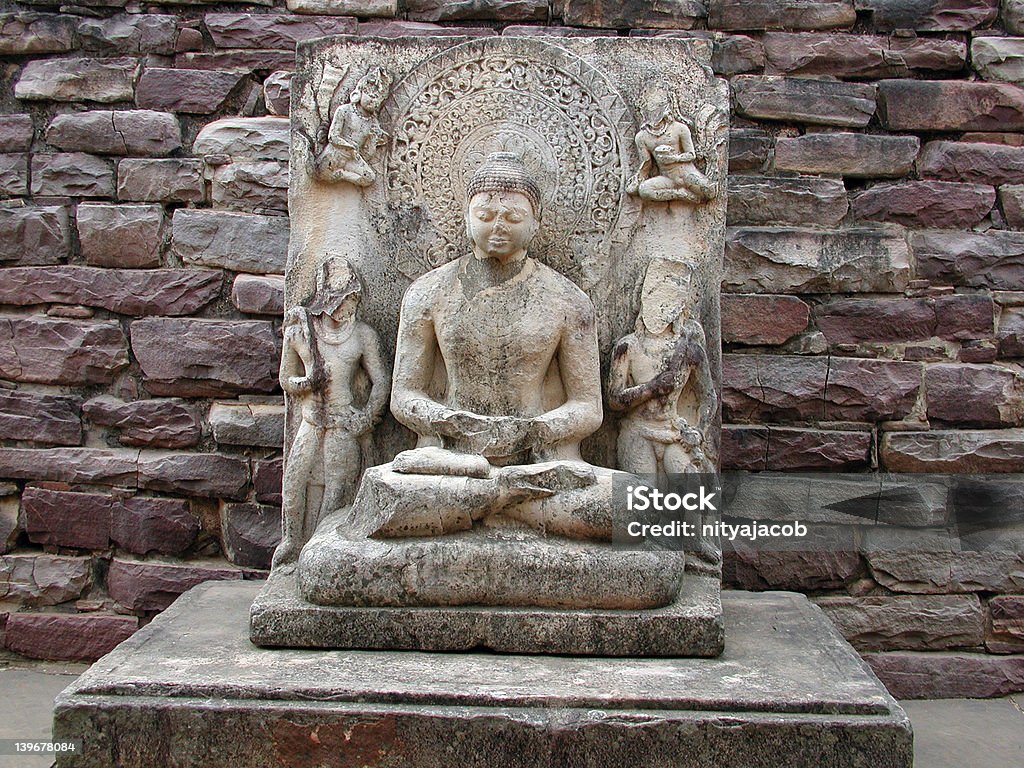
(503, 208)
(338, 290)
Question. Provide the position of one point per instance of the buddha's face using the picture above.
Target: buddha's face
(500, 224)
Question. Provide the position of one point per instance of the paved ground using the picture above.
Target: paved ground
(950, 733)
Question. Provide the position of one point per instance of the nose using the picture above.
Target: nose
(500, 225)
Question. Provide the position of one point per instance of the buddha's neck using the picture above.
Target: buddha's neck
(488, 271)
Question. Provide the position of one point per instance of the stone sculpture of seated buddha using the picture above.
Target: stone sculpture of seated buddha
(497, 371)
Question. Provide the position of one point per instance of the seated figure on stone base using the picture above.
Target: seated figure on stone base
(497, 372)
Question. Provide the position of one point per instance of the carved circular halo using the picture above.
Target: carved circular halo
(533, 98)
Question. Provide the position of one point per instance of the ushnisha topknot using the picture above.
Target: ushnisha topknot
(504, 172)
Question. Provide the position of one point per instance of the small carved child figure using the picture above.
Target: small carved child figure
(658, 371)
(355, 136)
(325, 347)
(667, 154)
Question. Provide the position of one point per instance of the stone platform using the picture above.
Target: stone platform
(691, 626)
(190, 690)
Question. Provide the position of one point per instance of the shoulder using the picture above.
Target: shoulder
(425, 288)
(623, 346)
(561, 289)
(365, 333)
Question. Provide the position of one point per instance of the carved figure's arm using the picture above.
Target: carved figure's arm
(338, 132)
(295, 373)
(580, 367)
(380, 377)
(703, 382)
(622, 396)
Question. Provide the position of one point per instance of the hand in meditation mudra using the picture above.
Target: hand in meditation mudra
(497, 372)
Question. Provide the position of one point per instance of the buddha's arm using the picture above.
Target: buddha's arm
(415, 355)
(580, 368)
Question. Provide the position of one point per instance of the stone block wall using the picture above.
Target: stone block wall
(873, 312)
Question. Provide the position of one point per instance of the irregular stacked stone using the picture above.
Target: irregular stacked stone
(873, 312)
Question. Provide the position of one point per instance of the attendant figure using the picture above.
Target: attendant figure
(355, 136)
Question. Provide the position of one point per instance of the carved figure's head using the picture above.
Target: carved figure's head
(338, 289)
(372, 89)
(666, 298)
(503, 207)
(656, 106)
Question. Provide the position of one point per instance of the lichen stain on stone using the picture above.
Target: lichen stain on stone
(365, 744)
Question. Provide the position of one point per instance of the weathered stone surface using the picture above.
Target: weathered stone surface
(999, 58)
(789, 99)
(242, 60)
(129, 132)
(190, 474)
(744, 448)
(192, 91)
(121, 235)
(984, 260)
(925, 562)
(273, 30)
(974, 396)
(258, 294)
(802, 651)
(760, 319)
(797, 449)
(266, 479)
(277, 91)
(67, 637)
(783, 200)
(207, 356)
(674, 14)
(850, 321)
(757, 388)
(72, 174)
(130, 33)
(250, 533)
(208, 475)
(855, 155)
(173, 180)
(975, 163)
(45, 351)
(1011, 201)
(247, 424)
(37, 580)
(245, 138)
(10, 526)
(153, 423)
(925, 204)
(67, 519)
(1013, 16)
(929, 16)
(39, 418)
(16, 133)
(1011, 332)
(870, 390)
(907, 623)
(34, 235)
(748, 149)
(730, 54)
(947, 675)
(950, 105)
(956, 451)
(251, 186)
(361, 8)
(1006, 616)
(241, 242)
(125, 291)
(152, 586)
(831, 562)
(781, 14)
(142, 524)
(28, 33)
(782, 260)
(859, 56)
(101, 80)
(13, 175)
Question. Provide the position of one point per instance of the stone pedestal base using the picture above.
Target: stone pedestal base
(691, 626)
(190, 690)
